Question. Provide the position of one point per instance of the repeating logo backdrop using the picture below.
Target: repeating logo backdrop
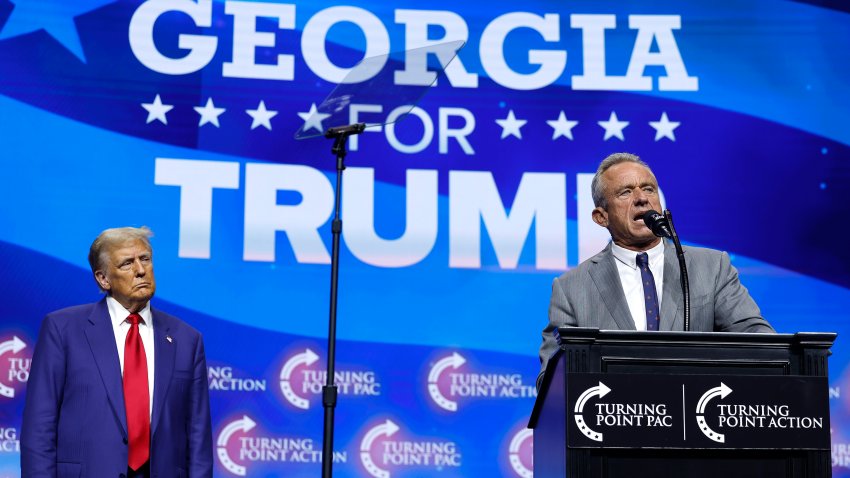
(180, 115)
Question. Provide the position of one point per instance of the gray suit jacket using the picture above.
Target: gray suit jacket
(591, 295)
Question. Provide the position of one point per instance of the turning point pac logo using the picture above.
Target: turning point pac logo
(598, 391)
(13, 370)
(382, 450)
(299, 381)
(239, 445)
(614, 414)
(446, 383)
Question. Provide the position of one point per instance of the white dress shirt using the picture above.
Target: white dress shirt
(632, 282)
(120, 327)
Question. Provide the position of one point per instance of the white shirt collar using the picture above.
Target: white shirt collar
(629, 257)
(118, 314)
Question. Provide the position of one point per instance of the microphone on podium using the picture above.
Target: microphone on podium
(657, 223)
(662, 226)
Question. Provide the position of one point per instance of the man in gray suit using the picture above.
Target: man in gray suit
(614, 289)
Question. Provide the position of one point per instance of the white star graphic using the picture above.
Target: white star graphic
(157, 110)
(511, 125)
(262, 116)
(562, 127)
(664, 128)
(313, 119)
(209, 113)
(613, 127)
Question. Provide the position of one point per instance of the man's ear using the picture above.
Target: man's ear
(600, 216)
(101, 279)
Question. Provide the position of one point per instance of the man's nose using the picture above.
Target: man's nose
(139, 268)
(640, 196)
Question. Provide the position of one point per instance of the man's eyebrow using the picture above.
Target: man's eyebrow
(131, 256)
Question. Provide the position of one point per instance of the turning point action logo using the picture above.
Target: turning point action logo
(298, 382)
(379, 453)
(18, 370)
(721, 391)
(235, 448)
(732, 416)
(446, 382)
(221, 378)
(520, 453)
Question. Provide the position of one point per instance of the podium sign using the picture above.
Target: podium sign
(697, 411)
(629, 404)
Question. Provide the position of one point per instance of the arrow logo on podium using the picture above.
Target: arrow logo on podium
(722, 391)
(598, 391)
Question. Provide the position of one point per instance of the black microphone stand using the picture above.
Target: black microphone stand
(340, 135)
(683, 270)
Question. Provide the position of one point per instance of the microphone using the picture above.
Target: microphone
(657, 224)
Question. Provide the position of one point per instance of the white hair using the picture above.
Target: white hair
(111, 238)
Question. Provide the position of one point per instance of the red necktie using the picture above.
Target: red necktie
(136, 395)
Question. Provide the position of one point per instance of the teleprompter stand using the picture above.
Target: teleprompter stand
(329, 391)
(369, 82)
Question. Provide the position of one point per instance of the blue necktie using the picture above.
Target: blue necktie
(649, 295)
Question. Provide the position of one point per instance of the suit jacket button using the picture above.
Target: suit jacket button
(125, 441)
(122, 475)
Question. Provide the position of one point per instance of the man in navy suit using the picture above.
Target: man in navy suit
(117, 388)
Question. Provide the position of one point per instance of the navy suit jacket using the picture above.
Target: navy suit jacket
(74, 422)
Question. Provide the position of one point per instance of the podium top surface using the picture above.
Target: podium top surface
(578, 335)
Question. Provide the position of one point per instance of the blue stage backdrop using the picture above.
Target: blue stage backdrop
(180, 115)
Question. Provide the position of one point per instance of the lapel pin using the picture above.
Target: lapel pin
(169, 339)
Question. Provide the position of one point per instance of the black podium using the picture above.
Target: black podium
(689, 404)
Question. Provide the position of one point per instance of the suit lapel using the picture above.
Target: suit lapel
(671, 302)
(607, 280)
(163, 364)
(101, 340)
